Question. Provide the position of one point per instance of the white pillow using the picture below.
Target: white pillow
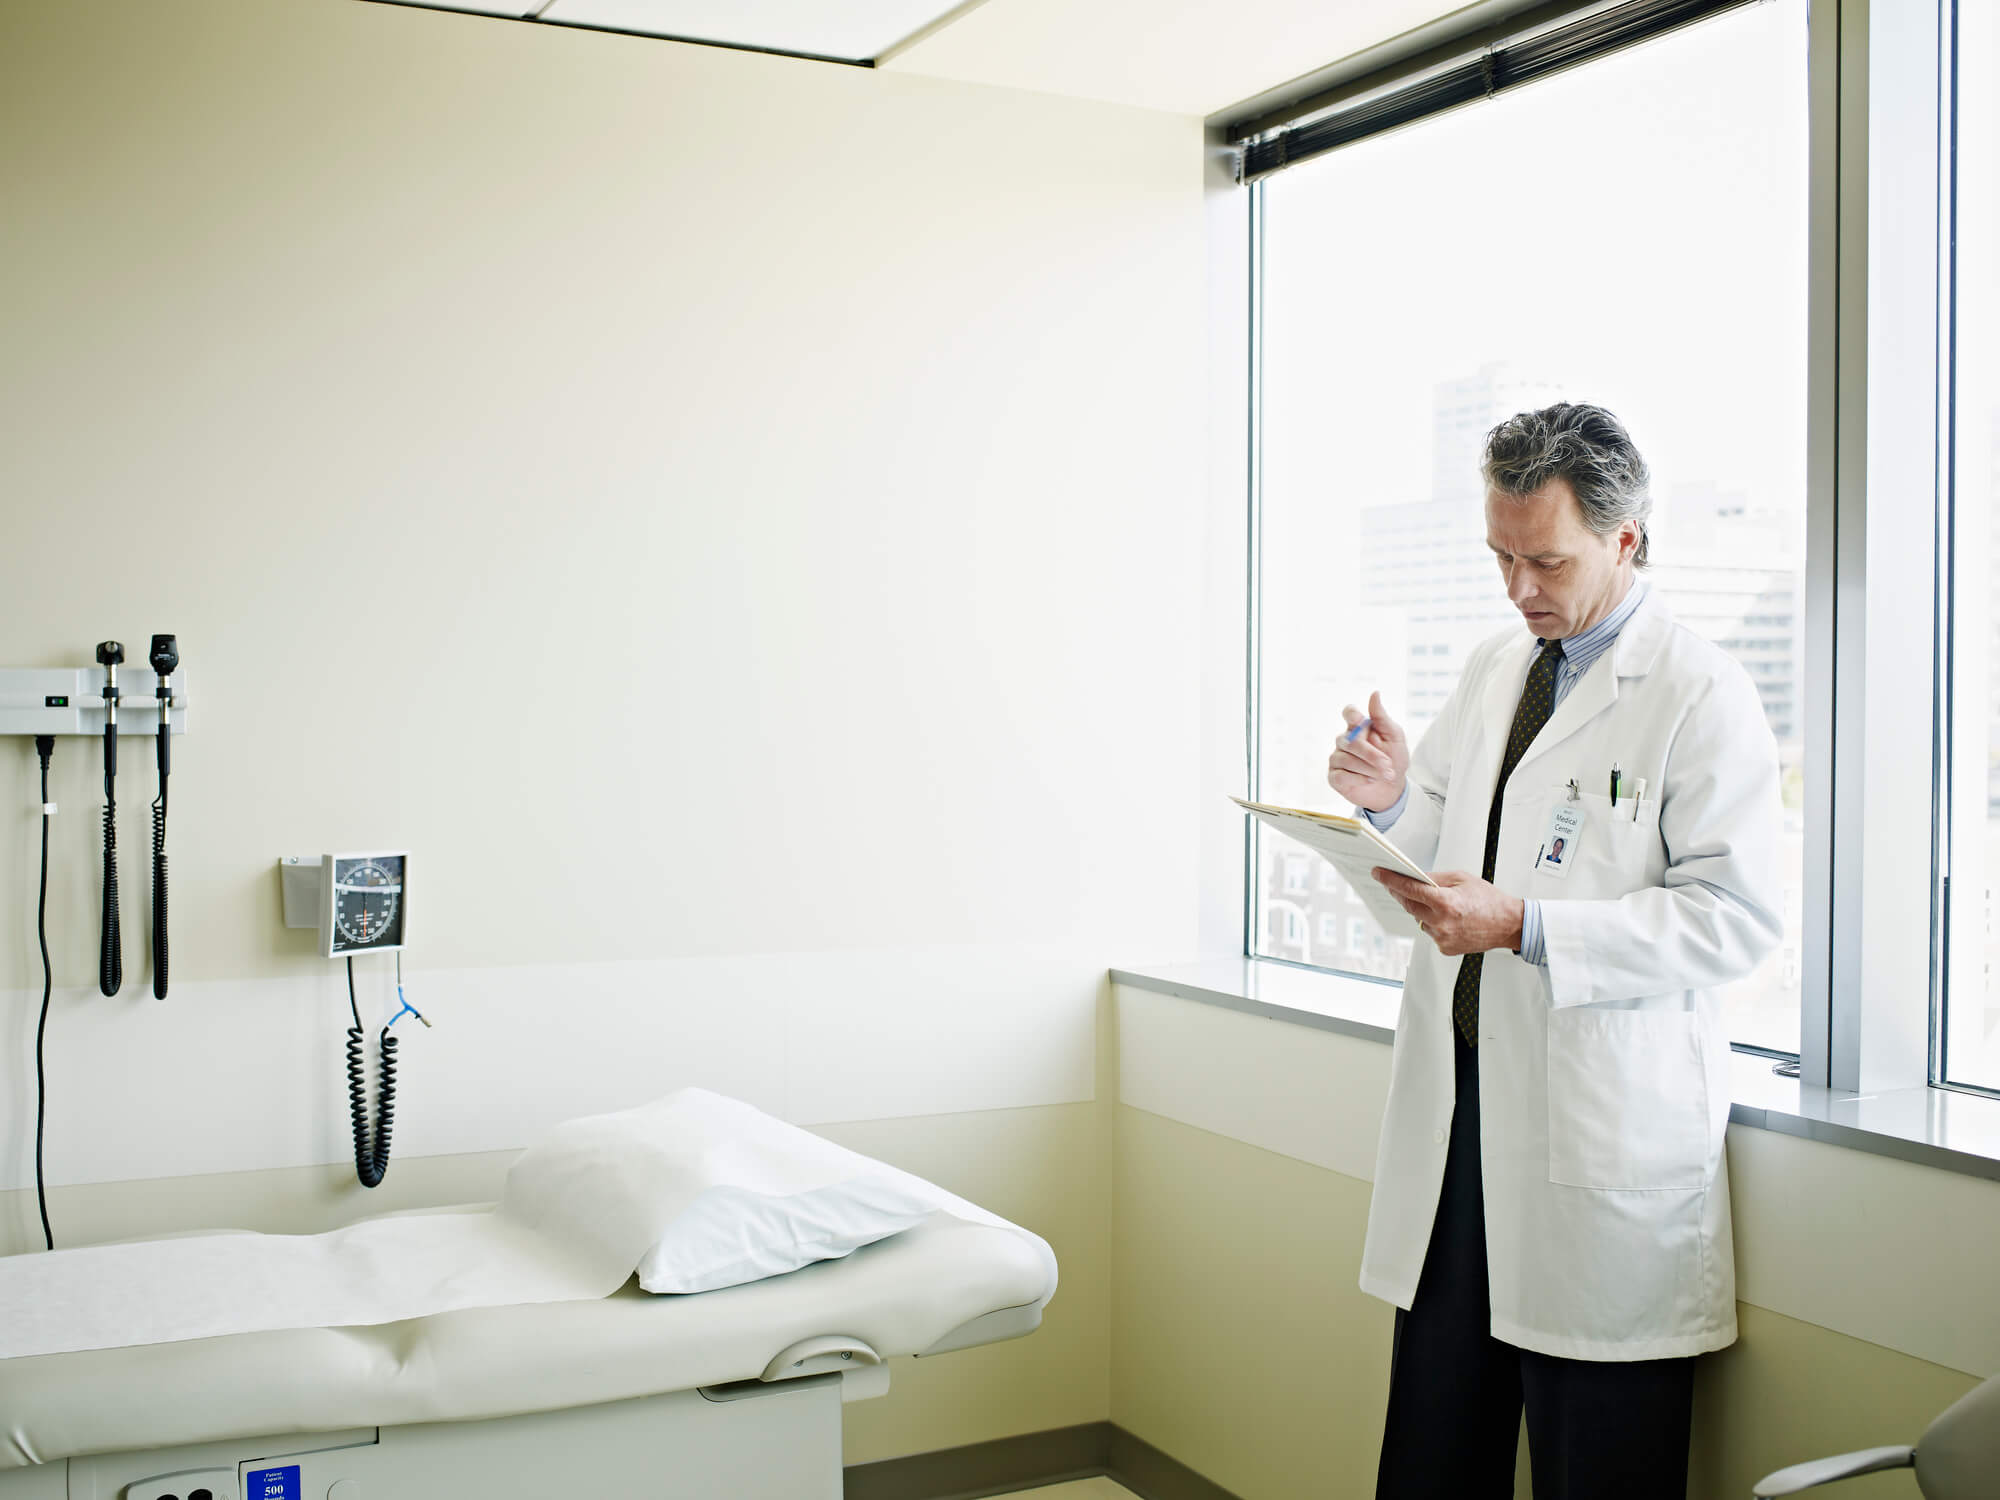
(730, 1235)
(700, 1191)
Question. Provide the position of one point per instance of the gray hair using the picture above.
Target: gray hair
(1583, 444)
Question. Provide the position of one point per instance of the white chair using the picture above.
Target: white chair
(1957, 1458)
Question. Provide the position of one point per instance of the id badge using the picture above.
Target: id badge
(1559, 843)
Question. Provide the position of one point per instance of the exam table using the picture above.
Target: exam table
(732, 1393)
(508, 1349)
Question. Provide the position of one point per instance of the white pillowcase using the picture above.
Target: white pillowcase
(699, 1191)
(731, 1234)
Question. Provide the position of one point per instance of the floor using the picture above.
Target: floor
(1083, 1489)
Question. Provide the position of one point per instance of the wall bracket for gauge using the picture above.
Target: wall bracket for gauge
(357, 902)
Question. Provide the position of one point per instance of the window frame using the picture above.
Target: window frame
(1952, 819)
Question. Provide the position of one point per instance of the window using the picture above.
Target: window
(1420, 286)
(1970, 1033)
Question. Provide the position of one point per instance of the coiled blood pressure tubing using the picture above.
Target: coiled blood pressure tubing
(364, 911)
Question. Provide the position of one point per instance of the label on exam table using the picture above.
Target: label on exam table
(272, 1484)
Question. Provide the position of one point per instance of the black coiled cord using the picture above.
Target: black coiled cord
(110, 956)
(160, 894)
(371, 1148)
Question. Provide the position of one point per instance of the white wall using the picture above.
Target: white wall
(726, 514)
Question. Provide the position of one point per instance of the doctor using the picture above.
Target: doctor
(1551, 1208)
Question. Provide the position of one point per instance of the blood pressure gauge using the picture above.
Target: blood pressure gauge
(356, 901)
(367, 905)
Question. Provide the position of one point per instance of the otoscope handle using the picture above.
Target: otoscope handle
(164, 657)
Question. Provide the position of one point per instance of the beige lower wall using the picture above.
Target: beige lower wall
(288, 1200)
(1243, 1347)
(1049, 1169)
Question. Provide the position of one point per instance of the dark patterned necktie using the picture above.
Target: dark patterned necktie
(1538, 701)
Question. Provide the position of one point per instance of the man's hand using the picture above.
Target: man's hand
(1461, 913)
(1368, 770)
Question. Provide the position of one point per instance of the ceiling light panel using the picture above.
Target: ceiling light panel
(854, 30)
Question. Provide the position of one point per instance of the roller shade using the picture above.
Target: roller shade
(1480, 75)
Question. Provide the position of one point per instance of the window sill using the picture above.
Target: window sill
(1933, 1127)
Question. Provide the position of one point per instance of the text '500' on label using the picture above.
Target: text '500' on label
(272, 1484)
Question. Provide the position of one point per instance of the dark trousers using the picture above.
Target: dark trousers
(1597, 1430)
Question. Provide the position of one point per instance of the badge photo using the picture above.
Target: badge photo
(1559, 844)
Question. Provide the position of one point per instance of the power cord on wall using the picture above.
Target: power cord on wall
(45, 748)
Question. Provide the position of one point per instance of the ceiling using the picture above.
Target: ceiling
(1191, 57)
(854, 30)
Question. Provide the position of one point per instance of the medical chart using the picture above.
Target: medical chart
(1354, 847)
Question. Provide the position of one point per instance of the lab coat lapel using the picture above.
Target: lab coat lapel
(1631, 655)
(1594, 692)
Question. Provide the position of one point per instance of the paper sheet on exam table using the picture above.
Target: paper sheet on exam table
(1354, 847)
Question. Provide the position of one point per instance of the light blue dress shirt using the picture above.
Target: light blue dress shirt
(1579, 651)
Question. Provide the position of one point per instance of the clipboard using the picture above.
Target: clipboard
(1354, 847)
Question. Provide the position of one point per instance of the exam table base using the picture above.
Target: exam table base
(750, 1442)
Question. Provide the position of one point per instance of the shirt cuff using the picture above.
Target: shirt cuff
(1534, 948)
(1386, 819)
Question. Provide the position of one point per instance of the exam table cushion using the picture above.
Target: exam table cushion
(900, 1295)
(583, 1208)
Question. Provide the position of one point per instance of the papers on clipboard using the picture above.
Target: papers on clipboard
(1354, 847)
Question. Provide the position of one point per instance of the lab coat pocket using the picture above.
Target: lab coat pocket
(1627, 1099)
(1609, 850)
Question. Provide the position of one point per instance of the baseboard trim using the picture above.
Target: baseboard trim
(1007, 1465)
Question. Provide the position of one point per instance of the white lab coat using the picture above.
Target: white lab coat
(1604, 1078)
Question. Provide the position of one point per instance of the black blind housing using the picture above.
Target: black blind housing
(1492, 72)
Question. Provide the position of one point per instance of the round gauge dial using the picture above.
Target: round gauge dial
(367, 902)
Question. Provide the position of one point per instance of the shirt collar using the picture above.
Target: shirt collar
(1583, 648)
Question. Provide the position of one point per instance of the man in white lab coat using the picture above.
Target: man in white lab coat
(1551, 1206)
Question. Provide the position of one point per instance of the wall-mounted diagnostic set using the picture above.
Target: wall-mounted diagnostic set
(55, 702)
(358, 904)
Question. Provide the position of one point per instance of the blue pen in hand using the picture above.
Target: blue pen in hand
(1352, 734)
